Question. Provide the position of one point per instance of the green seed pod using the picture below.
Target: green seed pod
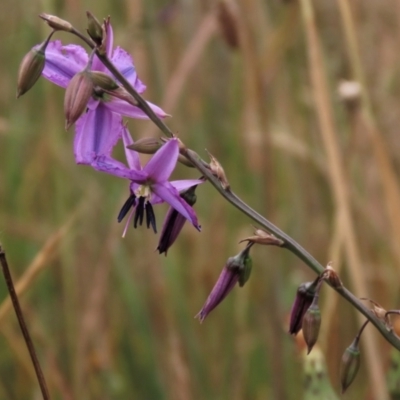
(350, 365)
(311, 325)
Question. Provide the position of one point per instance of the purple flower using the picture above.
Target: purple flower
(237, 269)
(103, 120)
(304, 298)
(149, 185)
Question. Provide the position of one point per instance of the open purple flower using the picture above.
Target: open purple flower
(149, 185)
(103, 116)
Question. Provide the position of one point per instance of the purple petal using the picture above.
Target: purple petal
(123, 61)
(132, 157)
(186, 183)
(170, 195)
(161, 165)
(111, 166)
(126, 109)
(97, 132)
(63, 62)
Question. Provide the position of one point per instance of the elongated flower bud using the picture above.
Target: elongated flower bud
(350, 365)
(31, 67)
(95, 30)
(30, 70)
(57, 23)
(304, 297)
(234, 270)
(174, 222)
(77, 95)
(311, 324)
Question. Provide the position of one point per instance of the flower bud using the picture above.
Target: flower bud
(236, 268)
(174, 222)
(57, 23)
(77, 95)
(95, 30)
(103, 80)
(30, 70)
(145, 145)
(350, 365)
(311, 324)
(304, 297)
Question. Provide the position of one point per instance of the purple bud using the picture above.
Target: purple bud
(77, 95)
(304, 297)
(236, 268)
(174, 222)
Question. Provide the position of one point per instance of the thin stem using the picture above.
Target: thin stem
(22, 324)
(290, 244)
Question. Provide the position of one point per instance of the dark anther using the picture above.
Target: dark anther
(150, 217)
(139, 212)
(126, 207)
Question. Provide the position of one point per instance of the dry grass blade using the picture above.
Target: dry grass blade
(340, 190)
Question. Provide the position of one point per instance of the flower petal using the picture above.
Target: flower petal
(170, 195)
(186, 183)
(111, 166)
(132, 157)
(122, 107)
(97, 132)
(63, 62)
(161, 165)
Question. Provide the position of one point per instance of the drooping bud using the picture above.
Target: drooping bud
(234, 270)
(77, 95)
(103, 80)
(145, 145)
(57, 23)
(304, 297)
(95, 30)
(174, 222)
(311, 324)
(350, 364)
(31, 67)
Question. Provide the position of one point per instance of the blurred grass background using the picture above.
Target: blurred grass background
(256, 82)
